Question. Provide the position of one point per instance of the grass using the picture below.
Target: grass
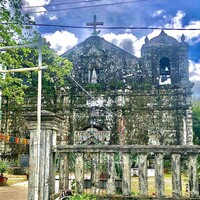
(13, 179)
(151, 186)
(167, 185)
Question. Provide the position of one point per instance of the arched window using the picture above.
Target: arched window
(165, 71)
(165, 66)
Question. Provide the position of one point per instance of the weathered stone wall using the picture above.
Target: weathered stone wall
(132, 88)
(160, 112)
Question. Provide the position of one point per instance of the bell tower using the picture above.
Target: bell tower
(166, 61)
(161, 56)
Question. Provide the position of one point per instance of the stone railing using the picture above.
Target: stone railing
(176, 153)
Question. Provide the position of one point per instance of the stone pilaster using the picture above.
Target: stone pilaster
(189, 126)
(49, 128)
(183, 59)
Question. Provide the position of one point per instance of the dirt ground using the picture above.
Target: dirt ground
(18, 191)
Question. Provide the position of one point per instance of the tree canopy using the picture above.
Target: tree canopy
(14, 30)
(196, 121)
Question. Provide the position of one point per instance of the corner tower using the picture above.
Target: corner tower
(166, 61)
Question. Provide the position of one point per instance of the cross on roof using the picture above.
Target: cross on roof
(94, 24)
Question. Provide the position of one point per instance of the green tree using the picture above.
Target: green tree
(18, 87)
(196, 121)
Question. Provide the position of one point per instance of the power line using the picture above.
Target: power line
(91, 97)
(91, 6)
(110, 27)
(59, 4)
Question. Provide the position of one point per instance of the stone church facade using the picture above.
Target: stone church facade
(130, 100)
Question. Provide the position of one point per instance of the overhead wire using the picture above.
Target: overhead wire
(91, 97)
(110, 27)
(60, 4)
(90, 6)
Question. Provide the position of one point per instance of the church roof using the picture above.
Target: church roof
(98, 43)
(162, 39)
(109, 61)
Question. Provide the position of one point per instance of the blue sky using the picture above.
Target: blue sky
(141, 13)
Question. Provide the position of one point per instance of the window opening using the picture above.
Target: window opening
(165, 71)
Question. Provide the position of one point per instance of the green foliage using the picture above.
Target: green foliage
(167, 165)
(3, 166)
(15, 170)
(26, 169)
(196, 121)
(18, 86)
(14, 163)
(118, 165)
(92, 86)
(83, 197)
(134, 160)
(10, 34)
(72, 160)
(134, 193)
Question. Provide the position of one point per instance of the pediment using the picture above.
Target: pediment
(91, 141)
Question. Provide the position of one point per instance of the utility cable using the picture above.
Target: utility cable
(91, 6)
(90, 95)
(59, 4)
(110, 27)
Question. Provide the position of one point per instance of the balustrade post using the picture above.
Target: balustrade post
(64, 172)
(193, 175)
(42, 185)
(143, 181)
(95, 173)
(66, 183)
(159, 175)
(79, 174)
(126, 174)
(32, 165)
(52, 178)
(61, 173)
(176, 176)
(111, 174)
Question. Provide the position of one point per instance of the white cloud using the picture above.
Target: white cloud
(192, 37)
(177, 20)
(194, 70)
(61, 41)
(157, 13)
(128, 41)
(196, 89)
(53, 17)
(125, 41)
(34, 4)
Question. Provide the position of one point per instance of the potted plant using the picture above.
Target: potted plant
(3, 168)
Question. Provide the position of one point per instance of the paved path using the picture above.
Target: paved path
(18, 191)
